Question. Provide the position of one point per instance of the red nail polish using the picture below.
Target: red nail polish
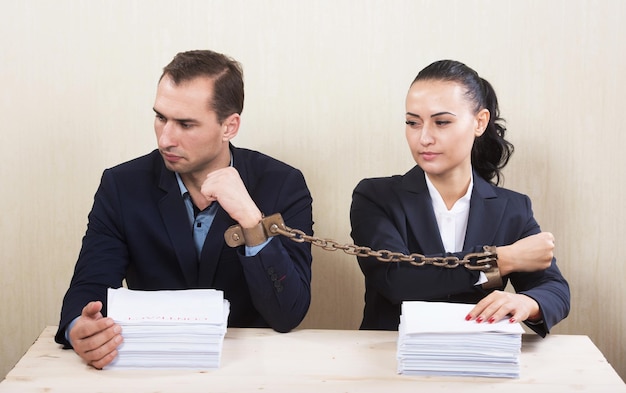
(512, 320)
(468, 317)
(479, 319)
(491, 320)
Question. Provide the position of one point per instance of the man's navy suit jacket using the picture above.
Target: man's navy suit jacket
(395, 213)
(139, 230)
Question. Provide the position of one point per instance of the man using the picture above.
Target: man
(158, 221)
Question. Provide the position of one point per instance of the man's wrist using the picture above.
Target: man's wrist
(255, 235)
(68, 329)
(251, 220)
(269, 226)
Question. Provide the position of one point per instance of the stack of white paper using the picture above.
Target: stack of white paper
(169, 329)
(435, 339)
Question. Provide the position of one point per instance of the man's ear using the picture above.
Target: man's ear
(482, 119)
(230, 126)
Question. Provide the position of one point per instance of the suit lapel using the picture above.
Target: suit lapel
(214, 243)
(174, 213)
(486, 212)
(417, 206)
(212, 248)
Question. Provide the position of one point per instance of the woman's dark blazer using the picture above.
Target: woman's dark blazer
(395, 213)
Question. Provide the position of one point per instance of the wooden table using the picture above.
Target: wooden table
(309, 360)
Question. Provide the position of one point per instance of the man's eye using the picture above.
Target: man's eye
(160, 118)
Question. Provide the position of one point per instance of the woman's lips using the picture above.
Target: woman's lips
(428, 156)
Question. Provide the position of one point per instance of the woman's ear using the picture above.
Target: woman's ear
(230, 127)
(482, 119)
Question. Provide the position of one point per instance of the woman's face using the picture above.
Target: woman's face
(441, 127)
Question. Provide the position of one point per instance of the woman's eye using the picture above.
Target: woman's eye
(442, 122)
(411, 123)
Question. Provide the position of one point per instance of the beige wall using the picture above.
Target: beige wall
(325, 90)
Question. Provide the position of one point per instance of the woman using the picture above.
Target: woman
(450, 204)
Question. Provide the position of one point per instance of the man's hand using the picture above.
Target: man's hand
(95, 338)
(530, 254)
(499, 304)
(226, 187)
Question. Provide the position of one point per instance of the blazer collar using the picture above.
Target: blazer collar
(417, 205)
(174, 213)
(215, 243)
(486, 212)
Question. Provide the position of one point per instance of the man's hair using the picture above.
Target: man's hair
(226, 73)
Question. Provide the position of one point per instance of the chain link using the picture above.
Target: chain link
(482, 261)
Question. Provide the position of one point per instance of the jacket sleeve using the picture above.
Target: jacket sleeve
(102, 259)
(548, 287)
(279, 276)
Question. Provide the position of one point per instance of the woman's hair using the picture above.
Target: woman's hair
(491, 152)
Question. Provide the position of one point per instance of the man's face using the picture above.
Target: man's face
(190, 139)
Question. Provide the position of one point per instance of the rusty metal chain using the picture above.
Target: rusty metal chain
(482, 261)
(486, 261)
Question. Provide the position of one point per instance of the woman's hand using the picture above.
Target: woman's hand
(500, 304)
(530, 254)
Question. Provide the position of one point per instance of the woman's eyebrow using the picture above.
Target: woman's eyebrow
(442, 113)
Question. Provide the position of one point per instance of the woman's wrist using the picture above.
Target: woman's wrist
(504, 259)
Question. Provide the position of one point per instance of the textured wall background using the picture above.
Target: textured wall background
(326, 83)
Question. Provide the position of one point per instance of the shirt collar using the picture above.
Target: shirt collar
(438, 204)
